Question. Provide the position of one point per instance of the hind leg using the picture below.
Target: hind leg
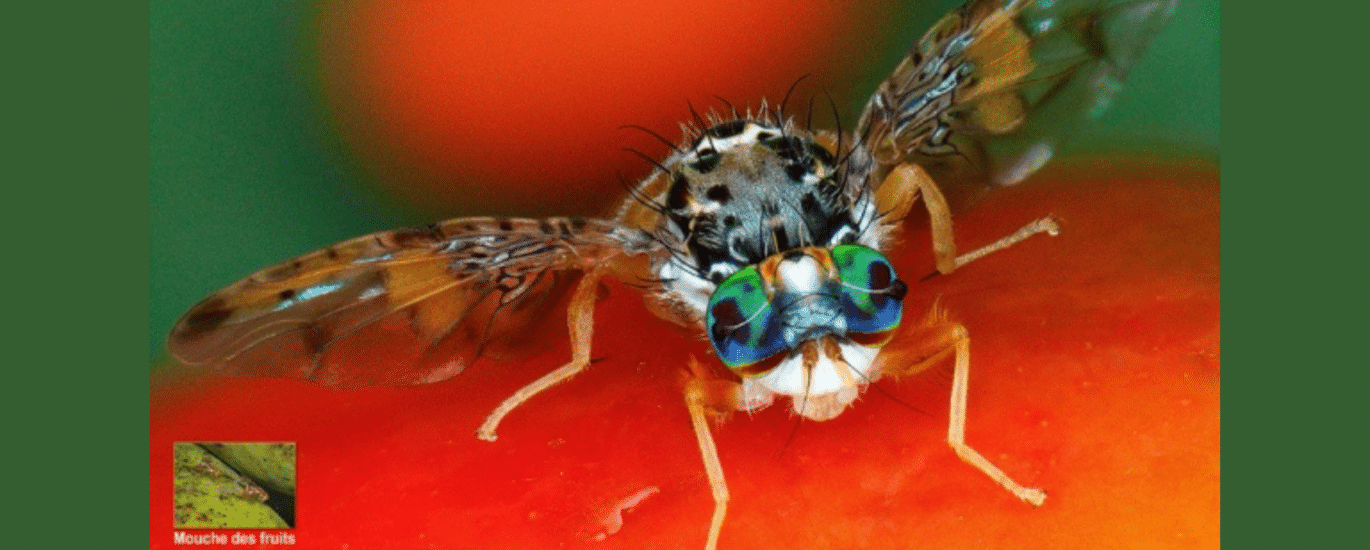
(701, 396)
(580, 319)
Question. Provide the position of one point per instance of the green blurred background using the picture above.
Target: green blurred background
(249, 170)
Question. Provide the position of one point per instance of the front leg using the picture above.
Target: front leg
(704, 395)
(956, 426)
(931, 341)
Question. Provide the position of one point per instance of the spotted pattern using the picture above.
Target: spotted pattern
(745, 189)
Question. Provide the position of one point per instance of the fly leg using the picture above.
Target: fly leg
(1046, 225)
(956, 426)
(701, 396)
(909, 181)
(934, 339)
(580, 320)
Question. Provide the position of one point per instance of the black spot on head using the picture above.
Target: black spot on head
(786, 148)
(682, 222)
(796, 172)
(680, 188)
(782, 238)
(823, 156)
(727, 129)
(708, 160)
(719, 193)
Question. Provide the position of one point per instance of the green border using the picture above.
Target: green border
(1295, 272)
(76, 171)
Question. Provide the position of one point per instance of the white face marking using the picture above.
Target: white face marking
(834, 386)
(800, 275)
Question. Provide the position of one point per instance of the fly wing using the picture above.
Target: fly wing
(409, 306)
(990, 92)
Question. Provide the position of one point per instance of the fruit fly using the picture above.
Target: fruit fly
(769, 238)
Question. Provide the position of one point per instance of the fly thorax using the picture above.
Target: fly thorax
(744, 190)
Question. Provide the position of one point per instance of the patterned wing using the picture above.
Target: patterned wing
(987, 95)
(409, 306)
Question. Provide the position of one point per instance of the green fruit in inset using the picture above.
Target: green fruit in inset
(271, 464)
(209, 494)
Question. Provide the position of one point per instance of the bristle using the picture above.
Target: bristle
(731, 108)
(647, 158)
(780, 109)
(639, 197)
(653, 134)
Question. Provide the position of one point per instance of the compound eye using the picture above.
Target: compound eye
(743, 327)
(872, 294)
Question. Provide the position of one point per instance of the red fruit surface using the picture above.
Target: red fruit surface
(1095, 375)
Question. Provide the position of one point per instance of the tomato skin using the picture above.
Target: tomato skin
(518, 107)
(1095, 374)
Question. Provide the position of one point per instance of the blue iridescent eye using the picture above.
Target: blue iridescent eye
(872, 294)
(743, 326)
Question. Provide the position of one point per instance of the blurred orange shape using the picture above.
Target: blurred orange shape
(481, 107)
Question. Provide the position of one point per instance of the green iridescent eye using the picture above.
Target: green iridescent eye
(872, 294)
(743, 326)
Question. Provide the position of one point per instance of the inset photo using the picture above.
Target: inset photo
(234, 485)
